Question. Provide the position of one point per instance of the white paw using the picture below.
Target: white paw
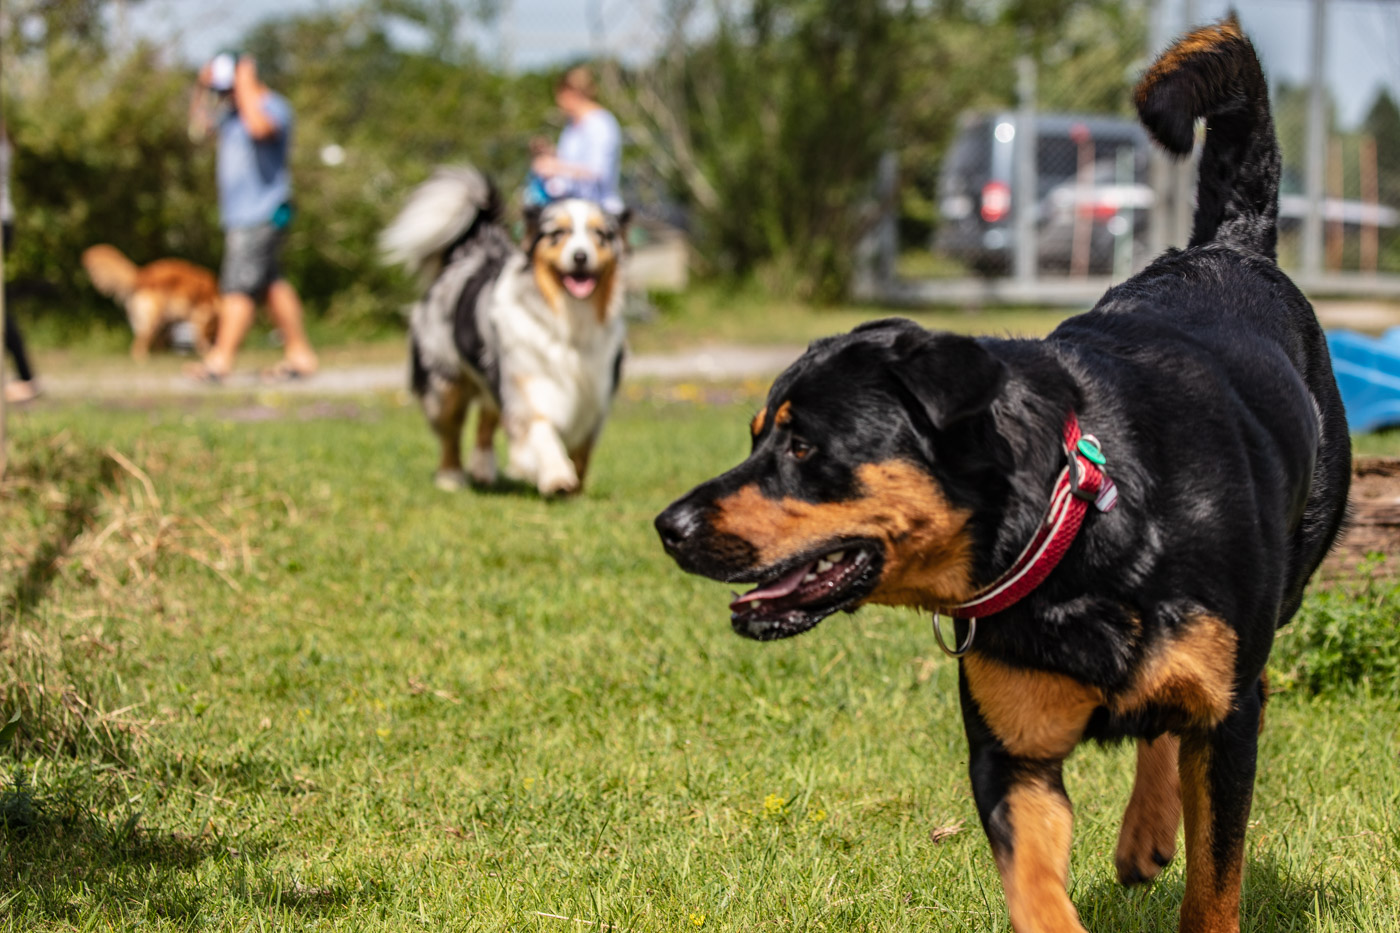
(450, 480)
(481, 467)
(561, 481)
(521, 464)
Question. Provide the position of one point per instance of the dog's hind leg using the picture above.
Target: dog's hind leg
(445, 404)
(1147, 840)
(1217, 787)
(481, 465)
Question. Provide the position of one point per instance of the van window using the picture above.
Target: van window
(972, 151)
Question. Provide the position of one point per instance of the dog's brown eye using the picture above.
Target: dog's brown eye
(799, 449)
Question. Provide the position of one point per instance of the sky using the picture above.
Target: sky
(1363, 49)
(531, 34)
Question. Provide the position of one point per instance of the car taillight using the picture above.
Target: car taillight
(996, 201)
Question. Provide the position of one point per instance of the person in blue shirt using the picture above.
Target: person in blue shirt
(588, 160)
(254, 130)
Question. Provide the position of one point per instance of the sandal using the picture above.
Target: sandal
(201, 373)
(285, 372)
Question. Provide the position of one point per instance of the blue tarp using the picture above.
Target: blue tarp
(1368, 374)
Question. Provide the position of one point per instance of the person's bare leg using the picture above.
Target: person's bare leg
(235, 320)
(285, 307)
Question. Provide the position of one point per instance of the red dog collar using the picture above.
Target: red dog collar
(1081, 482)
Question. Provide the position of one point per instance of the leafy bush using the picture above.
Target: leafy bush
(1343, 639)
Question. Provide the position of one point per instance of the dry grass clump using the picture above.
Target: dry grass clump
(87, 538)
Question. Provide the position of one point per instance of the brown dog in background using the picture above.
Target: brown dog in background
(156, 295)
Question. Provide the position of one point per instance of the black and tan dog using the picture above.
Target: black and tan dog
(897, 466)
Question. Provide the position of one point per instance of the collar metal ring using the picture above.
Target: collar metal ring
(966, 645)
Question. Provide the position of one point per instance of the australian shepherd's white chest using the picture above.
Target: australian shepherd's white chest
(533, 336)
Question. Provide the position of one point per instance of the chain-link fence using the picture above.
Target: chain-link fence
(1041, 203)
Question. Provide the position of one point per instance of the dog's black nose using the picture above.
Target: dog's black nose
(580, 258)
(678, 524)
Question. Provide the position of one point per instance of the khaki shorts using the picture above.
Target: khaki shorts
(250, 260)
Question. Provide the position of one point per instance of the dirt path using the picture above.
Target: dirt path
(710, 363)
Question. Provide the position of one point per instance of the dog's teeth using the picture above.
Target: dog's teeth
(824, 565)
(809, 578)
(756, 604)
(836, 556)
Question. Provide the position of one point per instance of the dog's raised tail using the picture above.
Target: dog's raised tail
(111, 272)
(441, 212)
(1214, 73)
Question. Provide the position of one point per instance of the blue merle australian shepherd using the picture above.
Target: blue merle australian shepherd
(532, 336)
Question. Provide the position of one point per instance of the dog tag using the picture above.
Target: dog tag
(1091, 451)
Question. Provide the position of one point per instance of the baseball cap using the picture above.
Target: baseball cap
(221, 69)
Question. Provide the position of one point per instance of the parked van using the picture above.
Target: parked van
(1081, 217)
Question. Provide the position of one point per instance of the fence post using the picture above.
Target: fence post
(1024, 201)
(1316, 167)
(4, 439)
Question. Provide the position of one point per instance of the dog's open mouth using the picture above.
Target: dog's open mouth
(799, 596)
(579, 284)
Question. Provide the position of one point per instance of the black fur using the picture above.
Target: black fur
(1237, 198)
(467, 321)
(1208, 382)
(418, 373)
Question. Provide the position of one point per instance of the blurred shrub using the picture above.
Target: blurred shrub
(1344, 638)
(102, 152)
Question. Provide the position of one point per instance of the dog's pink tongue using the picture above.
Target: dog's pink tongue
(778, 588)
(580, 286)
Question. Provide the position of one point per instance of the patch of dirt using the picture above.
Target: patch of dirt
(1373, 536)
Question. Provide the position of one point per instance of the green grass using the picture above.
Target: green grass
(270, 678)
(713, 314)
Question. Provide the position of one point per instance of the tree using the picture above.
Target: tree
(1383, 124)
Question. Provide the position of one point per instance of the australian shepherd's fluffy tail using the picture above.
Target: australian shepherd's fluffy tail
(441, 213)
(1214, 73)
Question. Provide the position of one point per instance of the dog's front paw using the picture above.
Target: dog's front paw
(450, 480)
(481, 467)
(561, 482)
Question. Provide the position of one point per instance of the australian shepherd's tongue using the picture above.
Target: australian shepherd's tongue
(580, 286)
(778, 588)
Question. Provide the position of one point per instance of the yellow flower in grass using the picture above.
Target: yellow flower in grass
(697, 920)
(773, 805)
(382, 732)
(529, 783)
(816, 815)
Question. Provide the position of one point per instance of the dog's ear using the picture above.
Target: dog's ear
(950, 378)
(531, 215)
(622, 219)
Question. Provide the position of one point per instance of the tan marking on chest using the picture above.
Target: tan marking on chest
(1193, 672)
(1035, 714)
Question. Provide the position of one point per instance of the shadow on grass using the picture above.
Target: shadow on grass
(82, 479)
(519, 489)
(62, 859)
(1277, 899)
